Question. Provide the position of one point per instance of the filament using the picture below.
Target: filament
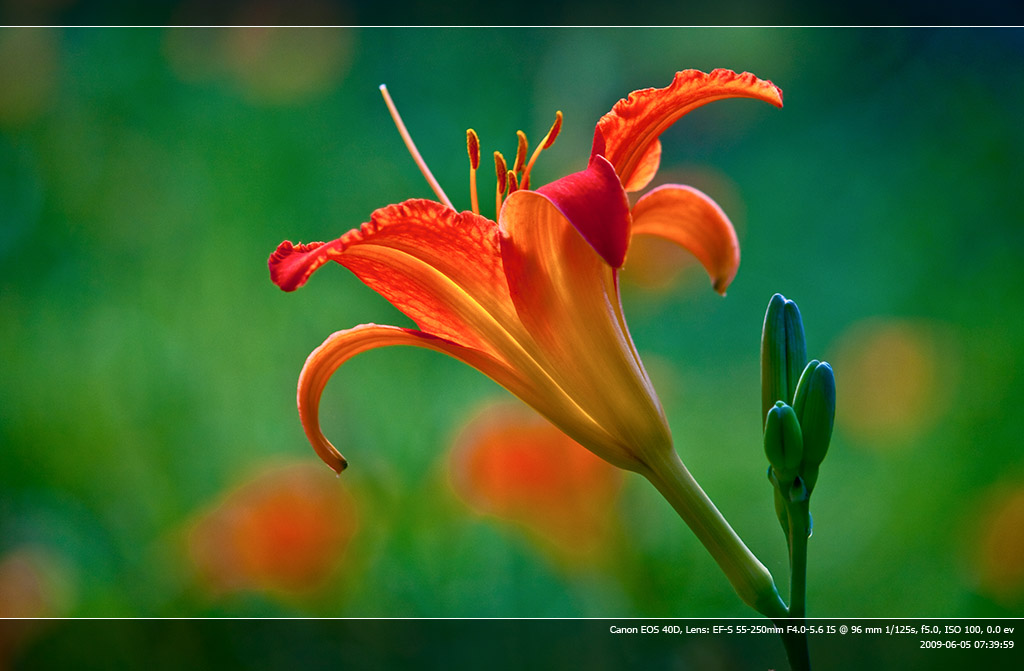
(548, 140)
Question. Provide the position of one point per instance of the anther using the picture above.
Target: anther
(473, 149)
(501, 172)
(512, 182)
(520, 152)
(548, 140)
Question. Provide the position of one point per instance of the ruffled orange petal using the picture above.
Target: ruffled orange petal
(692, 220)
(626, 136)
(440, 267)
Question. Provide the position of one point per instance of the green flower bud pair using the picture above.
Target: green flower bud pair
(798, 401)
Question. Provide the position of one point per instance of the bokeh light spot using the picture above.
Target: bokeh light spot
(511, 463)
(1000, 548)
(268, 63)
(28, 73)
(284, 530)
(280, 65)
(34, 583)
(892, 379)
(655, 264)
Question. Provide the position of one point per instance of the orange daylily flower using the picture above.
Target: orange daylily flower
(532, 299)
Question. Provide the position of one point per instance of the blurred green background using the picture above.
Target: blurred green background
(149, 365)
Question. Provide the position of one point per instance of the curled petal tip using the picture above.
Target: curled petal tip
(338, 465)
(327, 452)
(291, 265)
(323, 447)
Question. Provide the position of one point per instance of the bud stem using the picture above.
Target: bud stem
(748, 576)
(799, 528)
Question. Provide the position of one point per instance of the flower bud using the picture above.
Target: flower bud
(783, 443)
(815, 407)
(783, 352)
(800, 395)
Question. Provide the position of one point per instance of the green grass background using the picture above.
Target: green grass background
(147, 364)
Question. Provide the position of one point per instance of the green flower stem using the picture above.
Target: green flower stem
(748, 576)
(799, 525)
(796, 646)
(798, 514)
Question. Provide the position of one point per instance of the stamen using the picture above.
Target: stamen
(473, 149)
(548, 140)
(501, 172)
(512, 184)
(411, 146)
(520, 152)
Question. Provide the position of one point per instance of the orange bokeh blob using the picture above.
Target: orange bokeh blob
(513, 464)
(1000, 547)
(285, 530)
(33, 583)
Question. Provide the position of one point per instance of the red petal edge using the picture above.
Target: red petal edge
(291, 265)
(595, 204)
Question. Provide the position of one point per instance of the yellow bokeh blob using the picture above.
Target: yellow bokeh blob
(278, 65)
(892, 379)
(267, 63)
(28, 73)
(1000, 549)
